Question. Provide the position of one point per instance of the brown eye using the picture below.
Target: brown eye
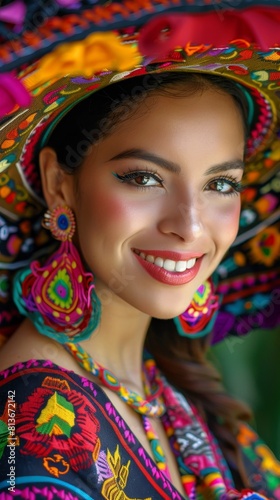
(224, 186)
(221, 186)
(142, 180)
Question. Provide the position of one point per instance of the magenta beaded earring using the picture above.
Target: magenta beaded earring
(59, 297)
(198, 319)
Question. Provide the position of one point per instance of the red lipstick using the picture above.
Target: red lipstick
(168, 277)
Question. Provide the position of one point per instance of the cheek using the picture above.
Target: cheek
(225, 223)
(108, 215)
(102, 207)
(231, 217)
(110, 208)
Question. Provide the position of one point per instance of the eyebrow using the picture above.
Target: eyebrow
(223, 167)
(174, 167)
(150, 157)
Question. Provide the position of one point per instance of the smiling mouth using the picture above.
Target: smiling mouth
(175, 266)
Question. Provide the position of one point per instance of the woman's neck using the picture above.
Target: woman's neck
(118, 342)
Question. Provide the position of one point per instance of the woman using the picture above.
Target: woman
(142, 180)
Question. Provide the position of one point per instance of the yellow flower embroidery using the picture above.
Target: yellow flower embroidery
(107, 52)
(98, 52)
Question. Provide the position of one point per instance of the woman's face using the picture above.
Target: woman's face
(158, 203)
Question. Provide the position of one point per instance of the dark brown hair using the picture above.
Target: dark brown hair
(184, 363)
(98, 115)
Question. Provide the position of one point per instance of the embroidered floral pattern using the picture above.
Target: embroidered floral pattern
(54, 421)
(67, 430)
(96, 53)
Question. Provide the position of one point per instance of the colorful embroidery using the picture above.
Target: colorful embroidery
(71, 439)
(56, 419)
(21, 193)
(112, 488)
(56, 465)
(265, 247)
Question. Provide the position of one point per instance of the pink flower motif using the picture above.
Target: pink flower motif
(14, 13)
(67, 3)
(12, 93)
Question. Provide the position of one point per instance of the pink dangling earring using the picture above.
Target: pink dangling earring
(59, 297)
(198, 319)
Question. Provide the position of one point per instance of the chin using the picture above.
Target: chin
(168, 314)
(165, 311)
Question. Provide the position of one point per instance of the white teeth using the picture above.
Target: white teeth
(190, 263)
(169, 265)
(181, 266)
(159, 262)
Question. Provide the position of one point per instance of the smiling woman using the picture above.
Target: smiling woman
(168, 188)
(156, 200)
(142, 176)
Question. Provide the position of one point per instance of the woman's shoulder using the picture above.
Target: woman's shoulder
(46, 389)
(27, 343)
(44, 384)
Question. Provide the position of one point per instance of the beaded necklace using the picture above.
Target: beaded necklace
(202, 467)
(152, 406)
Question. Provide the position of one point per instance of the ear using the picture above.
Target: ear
(57, 185)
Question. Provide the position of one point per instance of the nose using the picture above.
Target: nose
(183, 220)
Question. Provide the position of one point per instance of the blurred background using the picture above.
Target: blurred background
(250, 367)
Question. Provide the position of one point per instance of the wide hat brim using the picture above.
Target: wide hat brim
(247, 280)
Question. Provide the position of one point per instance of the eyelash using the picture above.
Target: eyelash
(133, 174)
(236, 186)
(130, 176)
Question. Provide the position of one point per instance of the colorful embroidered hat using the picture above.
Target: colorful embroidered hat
(53, 54)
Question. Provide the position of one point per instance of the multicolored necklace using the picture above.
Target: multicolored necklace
(153, 406)
(202, 467)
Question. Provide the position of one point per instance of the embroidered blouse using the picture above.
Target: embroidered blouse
(62, 438)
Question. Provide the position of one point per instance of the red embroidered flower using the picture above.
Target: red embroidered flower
(259, 25)
(162, 34)
(57, 420)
